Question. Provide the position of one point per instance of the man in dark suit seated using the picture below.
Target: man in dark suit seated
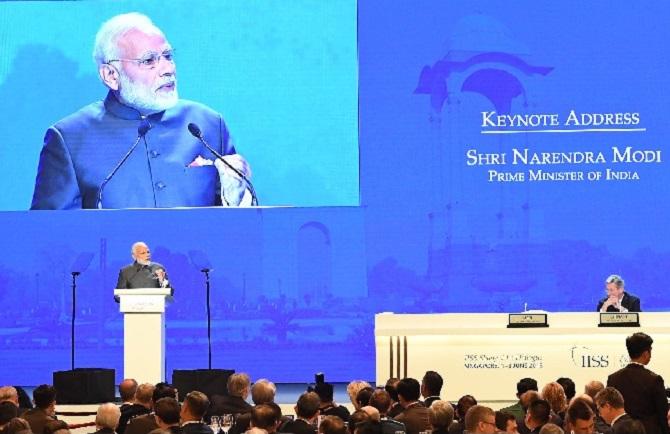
(107, 418)
(480, 420)
(265, 417)
(167, 412)
(381, 400)
(235, 401)
(431, 386)
(146, 423)
(262, 392)
(141, 406)
(441, 415)
(618, 300)
(45, 408)
(537, 415)
(332, 425)
(127, 389)
(192, 412)
(306, 410)
(328, 406)
(414, 414)
(579, 417)
(643, 391)
(610, 405)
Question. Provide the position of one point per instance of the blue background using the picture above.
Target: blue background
(295, 290)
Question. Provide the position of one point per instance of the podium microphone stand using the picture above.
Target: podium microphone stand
(209, 319)
(74, 310)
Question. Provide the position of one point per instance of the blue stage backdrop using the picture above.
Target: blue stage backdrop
(510, 155)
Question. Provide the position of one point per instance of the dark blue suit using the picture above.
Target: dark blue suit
(82, 149)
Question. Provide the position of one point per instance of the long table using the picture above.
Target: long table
(477, 354)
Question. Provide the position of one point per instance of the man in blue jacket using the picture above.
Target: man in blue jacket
(168, 167)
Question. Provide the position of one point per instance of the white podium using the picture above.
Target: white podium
(143, 333)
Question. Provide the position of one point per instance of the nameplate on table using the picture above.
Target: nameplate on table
(527, 320)
(619, 319)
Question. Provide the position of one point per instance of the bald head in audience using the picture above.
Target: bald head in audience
(127, 389)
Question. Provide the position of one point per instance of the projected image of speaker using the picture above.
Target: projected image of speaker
(84, 386)
(208, 381)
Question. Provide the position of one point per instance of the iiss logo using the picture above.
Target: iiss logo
(584, 357)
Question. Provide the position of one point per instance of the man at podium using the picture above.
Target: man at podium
(142, 273)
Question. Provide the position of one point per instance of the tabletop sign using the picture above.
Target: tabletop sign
(527, 320)
(619, 319)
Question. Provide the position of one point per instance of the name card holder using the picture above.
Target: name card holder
(619, 319)
(527, 320)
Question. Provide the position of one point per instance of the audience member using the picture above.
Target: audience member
(141, 406)
(265, 417)
(506, 422)
(431, 386)
(537, 415)
(462, 406)
(332, 425)
(480, 420)
(146, 423)
(9, 393)
(643, 390)
(580, 419)
(167, 412)
(441, 416)
(368, 427)
(372, 412)
(44, 397)
(523, 386)
(8, 411)
(593, 387)
(262, 392)
(358, 417)
(568, 387)
(631, 426)
(610, 405)
(551, 428)
(127, 389)
(381, 400)
(414, 414)
(353, 388)
(17, 426)
(391, 388)
(554, 394)
(306, 411)
(192, 413)
(328, 406)
(363, 396)
(107, 418)
(235, 403)
(56, 427)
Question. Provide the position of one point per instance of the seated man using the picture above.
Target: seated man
(618, 300)
(192, 413)
(45, 408)
(415, 414)
(167, 412)
(306, 411)
(580, 419)
(610, 405)
(107, 418)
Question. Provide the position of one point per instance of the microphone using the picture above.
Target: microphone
(142, 130)
(197, 133)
